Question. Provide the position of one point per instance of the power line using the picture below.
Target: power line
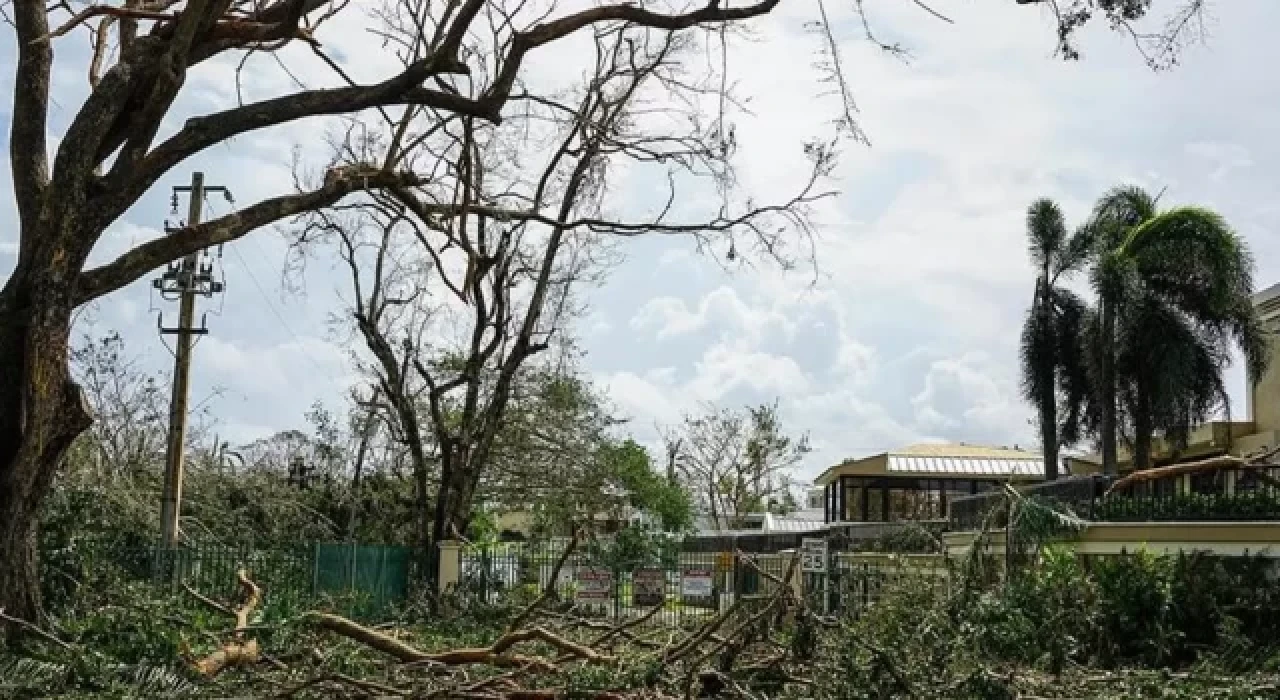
(279, 316)
(284, 323)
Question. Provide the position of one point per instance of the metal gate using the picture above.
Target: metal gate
(671, 588)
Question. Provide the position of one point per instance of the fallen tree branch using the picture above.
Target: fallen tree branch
(550, 589)
(238, 651)
(623, 628)
(498, 654)
(207, 600)
(360, 684)
(1205, 465)
(34, 629)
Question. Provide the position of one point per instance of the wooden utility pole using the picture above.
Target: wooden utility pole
(186, 280)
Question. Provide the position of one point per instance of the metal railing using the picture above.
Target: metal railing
(376, 574)
(1234, 493)
(690, 587)
(1080, 494)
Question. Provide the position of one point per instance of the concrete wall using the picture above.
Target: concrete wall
(1264, 399)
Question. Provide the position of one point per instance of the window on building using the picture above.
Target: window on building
(853, 500)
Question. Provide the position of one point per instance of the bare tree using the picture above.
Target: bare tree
(113, 152)
(128, 434)
(121, 140)
(456, 286)
(735, 463)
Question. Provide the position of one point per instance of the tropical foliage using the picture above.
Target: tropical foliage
(1053, 369)
(1173, 295)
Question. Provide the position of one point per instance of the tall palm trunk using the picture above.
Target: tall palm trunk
(1143, 429)
(1107, 387)
(1048, 398)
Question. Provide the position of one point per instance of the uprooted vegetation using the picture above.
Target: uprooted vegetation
(545, 649)
(1057, 626)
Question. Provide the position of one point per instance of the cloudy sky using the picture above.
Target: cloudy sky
(909, 329)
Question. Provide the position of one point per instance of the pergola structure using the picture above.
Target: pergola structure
(916, 482)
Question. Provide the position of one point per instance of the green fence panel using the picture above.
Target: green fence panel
(374, 575)
(380, 573)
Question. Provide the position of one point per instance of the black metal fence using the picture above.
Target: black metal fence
(680, 588)
(669, 587)
(852, 584)
(1236, 493)
(1081, 494)
(1233, 493)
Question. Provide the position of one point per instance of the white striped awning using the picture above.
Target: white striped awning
(967, 466)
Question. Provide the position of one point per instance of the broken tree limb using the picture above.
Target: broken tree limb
(541, 634)
(238, 651)
(360, 684)
(34, 629)
(1201, 466)
(624, 627)
(371, 638)
(206, 600)
(550, 589)
(498, 654)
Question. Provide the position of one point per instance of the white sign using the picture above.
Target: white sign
(595, 585)
(813, 555)
(696, 583)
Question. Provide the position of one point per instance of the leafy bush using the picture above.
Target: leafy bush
(632, 547)
(1043, 616)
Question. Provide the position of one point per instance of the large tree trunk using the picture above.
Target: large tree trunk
(1107, 388)
(436, 525)
(41, 412)
(362, 450)
(453, 467)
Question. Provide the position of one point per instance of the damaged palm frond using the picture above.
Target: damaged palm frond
(1035, 520)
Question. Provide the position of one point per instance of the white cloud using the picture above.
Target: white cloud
(971, 395)
(668, 316)
(722, 311)
(1222, 157)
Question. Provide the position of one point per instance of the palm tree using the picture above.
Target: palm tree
(1174, 291)
(1052, 367)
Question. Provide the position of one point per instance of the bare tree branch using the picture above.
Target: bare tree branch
(148, 256)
